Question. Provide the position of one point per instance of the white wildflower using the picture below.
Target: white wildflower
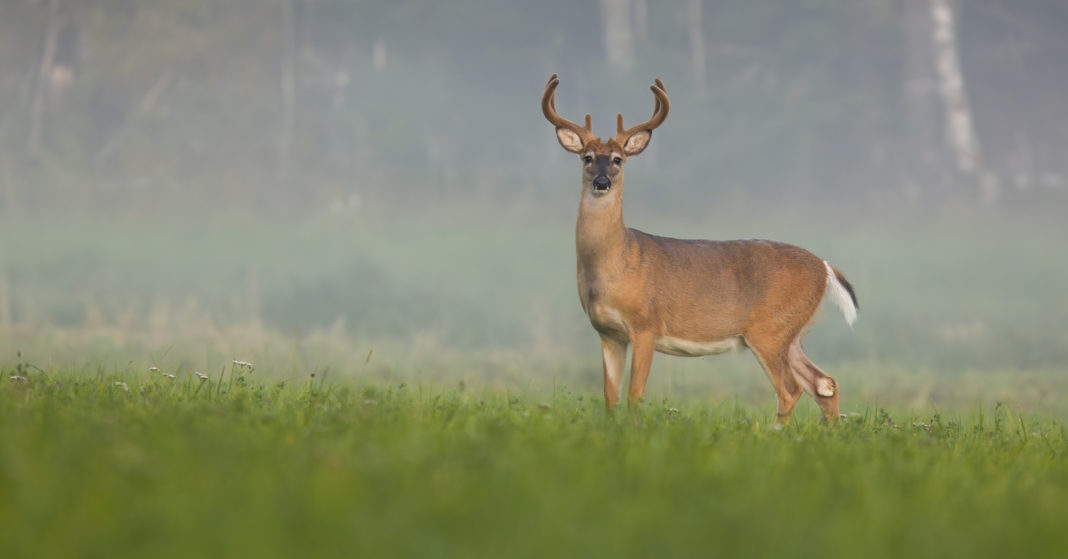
(202, 375)
(153, 369)
(123, 385)
(244, 364)
(18, 378)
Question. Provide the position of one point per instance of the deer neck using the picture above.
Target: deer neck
(600, 232)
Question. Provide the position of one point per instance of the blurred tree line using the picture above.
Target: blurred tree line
(297, 106)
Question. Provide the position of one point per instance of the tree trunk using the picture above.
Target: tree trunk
(960, 130)
(697, 47)
(641, 21)
(960, 133)
(618, 38)
(288, 95)
(44, 78)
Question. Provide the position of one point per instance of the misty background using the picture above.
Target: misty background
(376, 176)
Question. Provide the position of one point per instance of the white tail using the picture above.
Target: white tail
(688, 297)
(841, 296)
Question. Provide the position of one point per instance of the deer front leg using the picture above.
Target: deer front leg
(613, 353)
(641, 359)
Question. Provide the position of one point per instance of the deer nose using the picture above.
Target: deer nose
(601, 182)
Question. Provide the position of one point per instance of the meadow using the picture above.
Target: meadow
(432, 390)
(132, 465)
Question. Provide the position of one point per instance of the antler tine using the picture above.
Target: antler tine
(548, 108)
(659, 84)
(660, 112)
(550, 84)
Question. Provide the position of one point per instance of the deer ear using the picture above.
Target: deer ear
(569, 139)
(637, 142)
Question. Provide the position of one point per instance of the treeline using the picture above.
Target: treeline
(295, 106)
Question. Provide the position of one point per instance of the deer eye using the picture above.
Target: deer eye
(618, 161)
(588, 159)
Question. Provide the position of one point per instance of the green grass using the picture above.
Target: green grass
(128, 464)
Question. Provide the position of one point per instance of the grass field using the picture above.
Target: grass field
(432, 390)
(140, 465)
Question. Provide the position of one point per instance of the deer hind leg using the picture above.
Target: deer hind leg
(773, 357)
(613, 354)
(818, 384)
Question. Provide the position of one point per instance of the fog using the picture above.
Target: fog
(375, 178)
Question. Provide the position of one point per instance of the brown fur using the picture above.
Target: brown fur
(638, 288)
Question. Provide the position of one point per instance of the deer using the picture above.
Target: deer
(687, 297)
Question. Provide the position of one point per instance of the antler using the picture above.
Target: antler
(660, 112)
(548, 108)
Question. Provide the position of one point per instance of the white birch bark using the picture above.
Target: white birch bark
(960, 132)
(960, 129)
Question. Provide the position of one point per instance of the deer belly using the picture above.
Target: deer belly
(687, 348)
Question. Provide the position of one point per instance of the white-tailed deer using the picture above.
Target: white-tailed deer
(689, 297)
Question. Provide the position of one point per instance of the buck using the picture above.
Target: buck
(689, 297)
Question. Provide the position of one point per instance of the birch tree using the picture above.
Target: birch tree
(959, 124)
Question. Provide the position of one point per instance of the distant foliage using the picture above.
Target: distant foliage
(156, 103)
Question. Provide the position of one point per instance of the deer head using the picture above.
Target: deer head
(603, 161)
